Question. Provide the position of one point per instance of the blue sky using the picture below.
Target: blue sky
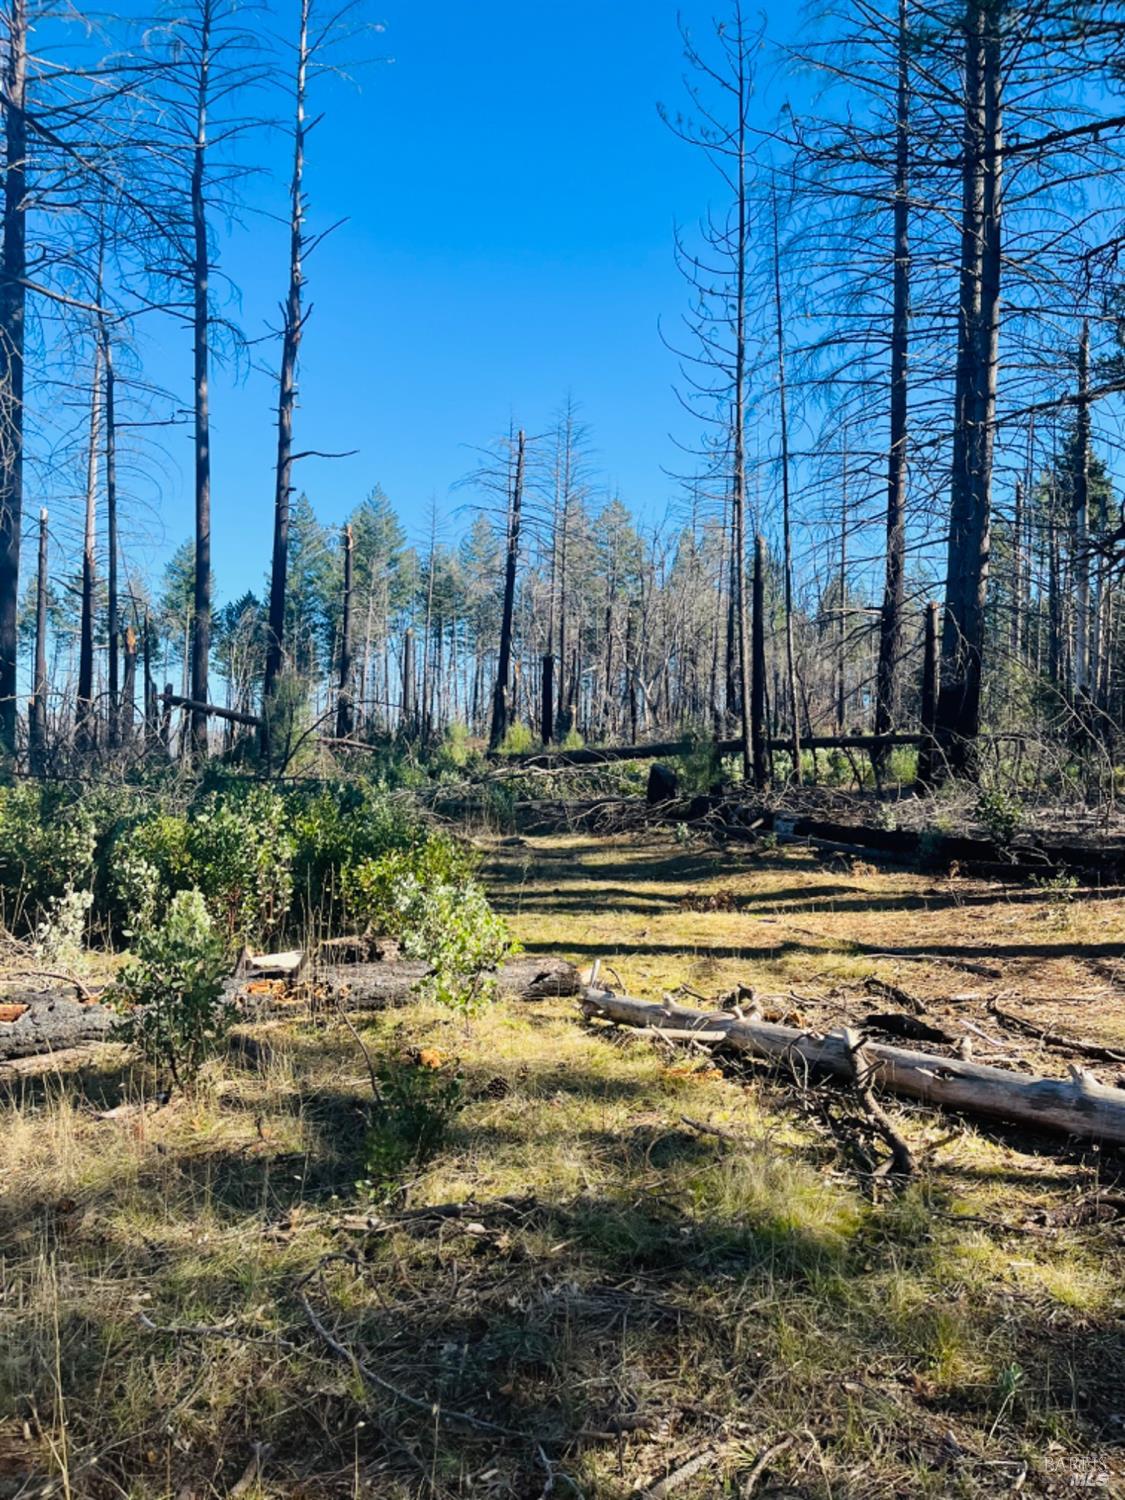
(511, 196)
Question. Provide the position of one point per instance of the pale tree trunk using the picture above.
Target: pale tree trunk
(287, 388)
(738, 476)
(345, 714)
(113, 627)
(786, 520)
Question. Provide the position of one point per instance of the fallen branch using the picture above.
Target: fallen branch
(762, 1463)
(686, 1471)
(1078, 1105)
(431, 1408)
(1049, 1038)
(863, 1072)
(705, 1128)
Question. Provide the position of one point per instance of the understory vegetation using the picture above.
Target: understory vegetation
(269, 863)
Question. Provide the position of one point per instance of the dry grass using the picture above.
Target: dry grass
(653, 1291)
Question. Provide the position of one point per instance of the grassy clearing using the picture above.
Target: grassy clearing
(647, 1292)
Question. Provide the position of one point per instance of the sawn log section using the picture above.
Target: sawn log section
(1078, 1105)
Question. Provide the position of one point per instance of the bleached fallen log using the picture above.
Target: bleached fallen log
(1077, 1105)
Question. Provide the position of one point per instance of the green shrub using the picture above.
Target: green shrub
(415, 1106)
(334, 829)
(47, 845)
(425, 897)
(240, 856)
(170, 996)
(698, 768)
(60, 936)
(1001, 815)
(519, 740)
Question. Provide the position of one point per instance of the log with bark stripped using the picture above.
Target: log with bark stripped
(1078, 1105)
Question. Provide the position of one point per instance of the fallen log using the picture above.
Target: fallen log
(213, 710)
(49, 1023)
(1078, 1105)
(372, 986)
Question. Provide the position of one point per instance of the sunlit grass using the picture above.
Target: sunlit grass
(647, 1267)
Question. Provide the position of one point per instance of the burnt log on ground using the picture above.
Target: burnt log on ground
(925, 849)
(36, 1022)
(372, 986)
(32, 1023)
(1078, 1105)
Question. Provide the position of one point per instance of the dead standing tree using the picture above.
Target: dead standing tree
(716, 372)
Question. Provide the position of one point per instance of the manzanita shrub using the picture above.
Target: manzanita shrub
(266, 865)
(427, 898)
(170, 995)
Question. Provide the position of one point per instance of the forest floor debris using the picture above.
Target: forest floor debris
(627, 1255)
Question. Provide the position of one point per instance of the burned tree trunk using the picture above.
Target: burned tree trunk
(37, 725)
(345, 715)
(500, 715)
(959, 696)
(13, 300)
(894, 591)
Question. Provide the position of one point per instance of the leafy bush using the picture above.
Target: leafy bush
(47, 845)
(60, 935)
(171, 995)
(698, 768)
(417, 1101)
(268, 863)
(240, 856)
(334, 829)
(425, 897)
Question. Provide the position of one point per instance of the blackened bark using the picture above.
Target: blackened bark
(930, 669)
(959, 696)
(85, 725)
(37, 727)
(13, 297)
(345, 715)
(500, 714)
(894, 583)
(201, 330)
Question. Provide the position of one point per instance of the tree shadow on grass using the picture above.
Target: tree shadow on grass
(698, 1284)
